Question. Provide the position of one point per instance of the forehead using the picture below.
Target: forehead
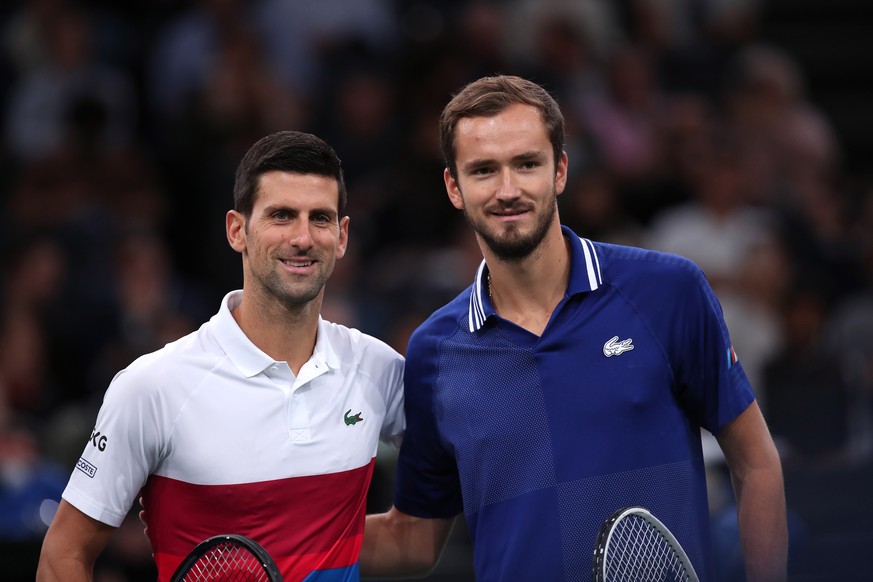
(294, 190)
(518, 128)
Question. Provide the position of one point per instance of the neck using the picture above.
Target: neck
(527, 291)
(285, 334)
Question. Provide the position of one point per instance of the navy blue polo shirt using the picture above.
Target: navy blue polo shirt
(538, 439)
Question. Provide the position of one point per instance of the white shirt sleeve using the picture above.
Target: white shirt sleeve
(124, 448)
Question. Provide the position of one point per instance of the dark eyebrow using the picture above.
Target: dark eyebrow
(522, 157)
(331, 212)
(473, 164)
(273, 208)
(531, 155)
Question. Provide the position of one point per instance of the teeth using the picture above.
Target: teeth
(298, 264)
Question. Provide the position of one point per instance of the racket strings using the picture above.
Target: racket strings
(227, 562)
(643, 554)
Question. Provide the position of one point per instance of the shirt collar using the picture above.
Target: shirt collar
(585, 276)
(246, 356)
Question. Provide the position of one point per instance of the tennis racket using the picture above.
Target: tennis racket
(227, 558)
(635, 545)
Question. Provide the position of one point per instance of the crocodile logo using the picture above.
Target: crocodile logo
(351, 419)
(613, 347)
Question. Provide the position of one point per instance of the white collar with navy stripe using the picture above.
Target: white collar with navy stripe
(585, 276)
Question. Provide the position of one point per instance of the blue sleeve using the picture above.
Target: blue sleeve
(427, 483)
(710, 380)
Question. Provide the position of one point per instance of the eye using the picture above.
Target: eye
(281, 215)
(529, 165)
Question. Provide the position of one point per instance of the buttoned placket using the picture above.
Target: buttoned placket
(295, 389)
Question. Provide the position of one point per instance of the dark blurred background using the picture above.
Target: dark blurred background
(736, 132)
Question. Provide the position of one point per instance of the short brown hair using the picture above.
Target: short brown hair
(489, 96)
(286, 151)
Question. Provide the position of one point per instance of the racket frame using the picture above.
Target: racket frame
(604, 537)
(201, 549)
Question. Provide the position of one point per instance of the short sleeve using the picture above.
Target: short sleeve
(427, 482)
(122, 451)
(711, 382)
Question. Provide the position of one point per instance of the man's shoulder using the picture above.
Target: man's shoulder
(196, 350)
(623, 265)
(657, 283)
(350, 340)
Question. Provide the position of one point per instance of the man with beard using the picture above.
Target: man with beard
(264, 422)
(572, 378)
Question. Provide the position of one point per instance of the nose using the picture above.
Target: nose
(300, 234)
(507, 188)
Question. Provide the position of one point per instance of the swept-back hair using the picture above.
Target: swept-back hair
(286, 151)
(489, 96)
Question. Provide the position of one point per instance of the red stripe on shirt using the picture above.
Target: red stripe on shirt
(305, 523)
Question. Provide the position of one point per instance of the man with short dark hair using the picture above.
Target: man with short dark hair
(264, 422)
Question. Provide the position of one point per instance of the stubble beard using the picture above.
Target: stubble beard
(512, 245)
(293, 295)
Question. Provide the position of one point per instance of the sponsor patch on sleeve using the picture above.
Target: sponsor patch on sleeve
(731, 356)
(86, 467)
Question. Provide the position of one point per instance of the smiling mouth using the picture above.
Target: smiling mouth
(515, 212)
(299, 264)
(509, 211)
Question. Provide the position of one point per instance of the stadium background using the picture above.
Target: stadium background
(736, 132)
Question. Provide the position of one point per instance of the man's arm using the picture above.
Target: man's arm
(756, 473)
(71, 546)
(398, 544)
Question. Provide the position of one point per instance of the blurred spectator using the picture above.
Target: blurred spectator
(691, 41)
(625, 120)
(30, 490)
(718, 225)
(153, 305)
(241, 98)
(33, 277)
(817, 216)
(68, 88)
(630, 127)
(25, 382)
(213, 82)
(300, 35)
(183, 54)
(30, 484)
(280, 45)
(25, 41)
(360, 116)
(783, 137)
(567, 55)
(482, 36)
(83, 195)
(849, 336)
(753, 306)
(593, 22)
(34, 271)
(564, 56)
(807, 395)
(592, 207)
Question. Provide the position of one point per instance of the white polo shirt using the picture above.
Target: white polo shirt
(220, 438)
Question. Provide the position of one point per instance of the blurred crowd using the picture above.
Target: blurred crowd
(122, 124)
